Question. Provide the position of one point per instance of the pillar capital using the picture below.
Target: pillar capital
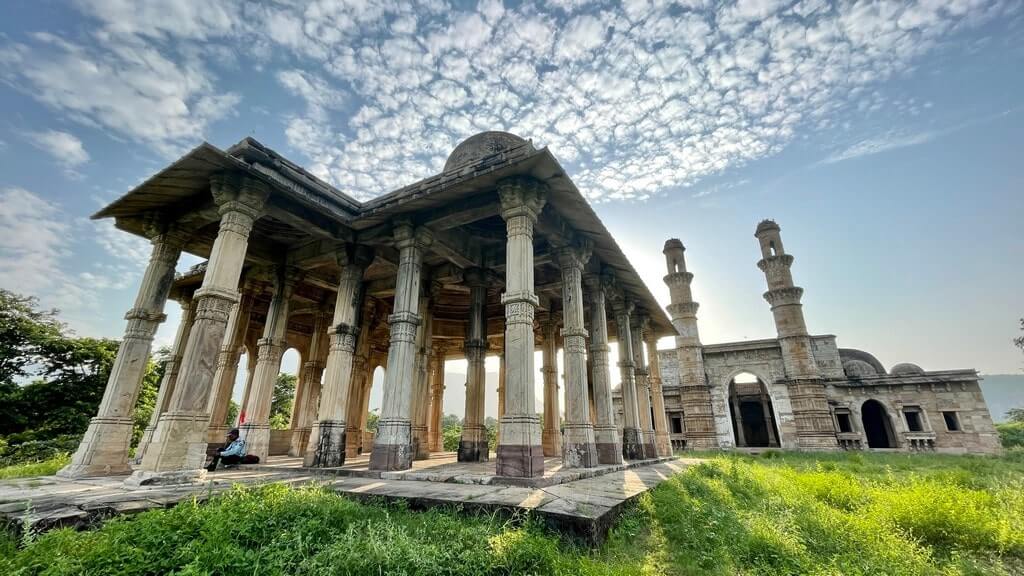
(408, 236)
(234, 192)
(522, 196)
(353, 255)
(575, 254)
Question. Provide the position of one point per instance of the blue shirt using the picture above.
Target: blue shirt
(236, 448)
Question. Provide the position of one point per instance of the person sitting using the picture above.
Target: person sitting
(232, 454)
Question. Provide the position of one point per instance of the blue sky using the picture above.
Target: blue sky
(884, 137)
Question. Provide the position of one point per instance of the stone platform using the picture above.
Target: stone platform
(576, 501)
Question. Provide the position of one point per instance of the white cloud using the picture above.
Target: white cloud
(65, 148)
(638, 100)
(889, 141)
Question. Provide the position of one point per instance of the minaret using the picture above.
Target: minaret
(815, 429)
(698, 417)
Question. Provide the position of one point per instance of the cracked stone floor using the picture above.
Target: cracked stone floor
(581, 502)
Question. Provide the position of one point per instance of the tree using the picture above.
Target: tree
(1015, 415)
(281, 404)
(371, 420)
(1019, 341)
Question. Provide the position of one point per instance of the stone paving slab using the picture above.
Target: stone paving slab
(584, 506)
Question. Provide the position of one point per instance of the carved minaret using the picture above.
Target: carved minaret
(815, 429)
(693, 387)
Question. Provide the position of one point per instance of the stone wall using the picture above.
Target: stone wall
(932, 392)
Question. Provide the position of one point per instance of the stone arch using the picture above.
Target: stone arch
(751, 409)
(877, 424)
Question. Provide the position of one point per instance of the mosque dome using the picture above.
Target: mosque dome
(906, 369)
(480, 146)
(859, 369)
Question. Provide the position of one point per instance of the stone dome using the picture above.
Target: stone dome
(859, 369)
(766, 225)
(906, 369)
(481, 145)
(673, 243)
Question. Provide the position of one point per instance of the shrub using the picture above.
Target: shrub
(1011, 434)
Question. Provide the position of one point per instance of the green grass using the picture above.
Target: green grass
(44, 468)
(775, 514)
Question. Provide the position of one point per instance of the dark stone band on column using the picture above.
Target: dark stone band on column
(632, 444)
(473, 451)
(519, 461)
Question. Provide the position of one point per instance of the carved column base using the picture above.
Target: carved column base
(353, 441)
(300, 439)
(392, 447)
(578, 448)
(520, 454)
(608, 445)
(327, 445)
(662, 444)
(177, 453)
(420, 441)
(551, 441)
(257, 439)
(217, 434)
(103, 450)
(147, 438)
(632, 444)
(473, 446)
(649, 441)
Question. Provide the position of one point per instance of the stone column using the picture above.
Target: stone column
(104, 447)
(741, 440)
(436, 421)
(250, 372)
(662, 440)
(362, 379)
(501, 390)
(768, 421)
(606, 434)
(643, 387)
(421, 392)
(551, 435)
(392, 446)
(256, 429)
(306, 406)
(178, 450)
(632, 440)
(227, 366)
(163, 396)
(473, 445)
(578, 449)
(327, 437)
(519, 452)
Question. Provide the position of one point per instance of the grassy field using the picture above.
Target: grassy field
(778, 513)
(44, 468)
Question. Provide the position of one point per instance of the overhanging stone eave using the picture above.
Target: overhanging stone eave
(215, 159)
(571, 205)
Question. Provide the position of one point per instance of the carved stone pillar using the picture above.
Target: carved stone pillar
(578, 449)
(392, 446)
(436, 421)
(551, 435)
(501, 391)
(256, 429)
(104, 447)
(737, 418)
(632, 440)
(227, 366)
(421, 391)
(250, 372)
(304, 413)
(473, 445)
(662, 441)
(606, 434)
(362, 379)
(327, 438)
(520, 453)
(163, 397)
(643, 388)
(178, 450)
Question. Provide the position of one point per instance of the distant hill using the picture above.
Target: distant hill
(1002, 392)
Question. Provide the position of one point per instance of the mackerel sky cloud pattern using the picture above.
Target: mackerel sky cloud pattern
(637, 99)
